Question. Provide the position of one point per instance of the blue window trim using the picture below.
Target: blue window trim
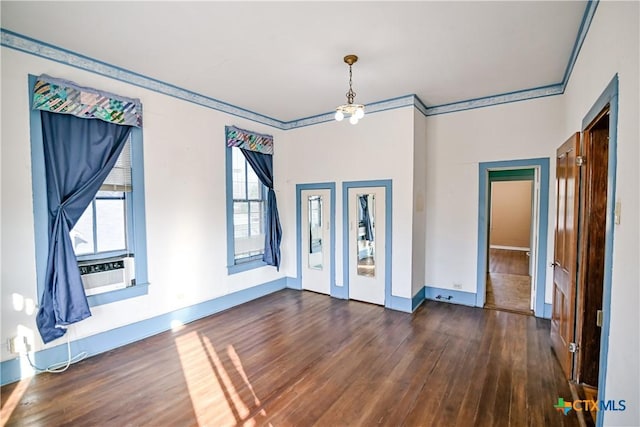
(234, 266)
(40, 215)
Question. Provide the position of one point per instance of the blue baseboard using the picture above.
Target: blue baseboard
(408, 305)
(340, 292)
(11, 371)
(399, 304)
(294, 283)
(450, 296)
(547, 311)
(418, 299)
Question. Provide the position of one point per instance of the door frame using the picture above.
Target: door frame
(608, 97)
(346, 186)
(584, 285)
(331, 186)
(518, 175)
(541, 165)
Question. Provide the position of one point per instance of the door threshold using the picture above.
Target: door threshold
(508, 309)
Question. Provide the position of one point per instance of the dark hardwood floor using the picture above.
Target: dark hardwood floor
(299, 359)
(505, 261)
(508, 281)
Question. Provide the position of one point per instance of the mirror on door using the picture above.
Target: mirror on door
(366, 235)
(315, 232)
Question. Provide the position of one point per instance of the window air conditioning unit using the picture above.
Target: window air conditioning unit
(100, 276)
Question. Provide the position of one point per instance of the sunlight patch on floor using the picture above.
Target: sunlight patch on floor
(234, 399)
(206, 392)
(219, 388)
(10, 405)
(235, 359)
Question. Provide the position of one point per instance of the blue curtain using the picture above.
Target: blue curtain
(78, 155)
(262, 165)
(365, 217)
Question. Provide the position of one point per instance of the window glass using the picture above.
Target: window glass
(248, 210)
(240, 223)
(110, 224)
(255, 218)
(102, 228)
(239, 175)
(253, 186)
(82, 233)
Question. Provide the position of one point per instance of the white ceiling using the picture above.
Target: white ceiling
(284, 59)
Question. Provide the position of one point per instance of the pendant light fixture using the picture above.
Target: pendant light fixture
(354, 111)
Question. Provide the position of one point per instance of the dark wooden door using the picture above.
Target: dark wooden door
(565, 253)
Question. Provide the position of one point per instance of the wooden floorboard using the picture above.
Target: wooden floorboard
(506, 261)
(508, 281)
(303, 359)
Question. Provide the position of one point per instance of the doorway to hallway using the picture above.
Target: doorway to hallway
(539, 226)
(511, 231)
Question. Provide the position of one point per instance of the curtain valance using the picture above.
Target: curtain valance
(247, 140)
(62, 96)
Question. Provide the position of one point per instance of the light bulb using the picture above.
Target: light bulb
(360, 113)
(353, 120)
(339, 115)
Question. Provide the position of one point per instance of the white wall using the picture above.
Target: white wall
(612, 46)
(456, 144)
(380, 146)
(185, 202)
(419, 201)
(510, 214)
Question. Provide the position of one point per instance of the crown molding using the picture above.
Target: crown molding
(375, 107)
(44, 50)
(589, 12)
(488, 101)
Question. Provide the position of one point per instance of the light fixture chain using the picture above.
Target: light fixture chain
(351, 94)
(354, 111)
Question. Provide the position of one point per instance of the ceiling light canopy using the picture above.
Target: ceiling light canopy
(354, 111)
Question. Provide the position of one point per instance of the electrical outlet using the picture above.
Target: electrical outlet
(457, 286)
(18, 345)
(15, 343)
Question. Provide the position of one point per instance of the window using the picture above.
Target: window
(113, 226)
(246, 214)
(248, 210)
(103, 229)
